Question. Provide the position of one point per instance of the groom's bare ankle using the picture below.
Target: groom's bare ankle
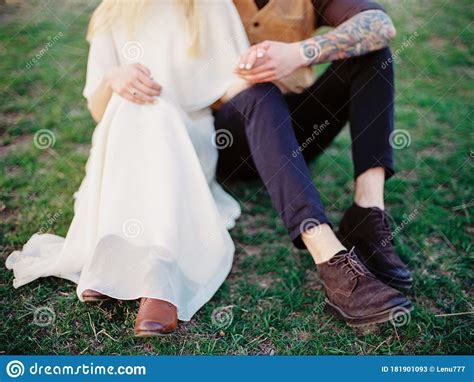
(322, 243)
(369, 187)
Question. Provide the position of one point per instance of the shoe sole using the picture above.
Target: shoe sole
(148, 333)
(378, 318)
(394, 283)
(95, 299)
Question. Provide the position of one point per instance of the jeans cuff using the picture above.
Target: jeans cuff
(386, 165)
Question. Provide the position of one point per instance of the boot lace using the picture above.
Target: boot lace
(351, 263)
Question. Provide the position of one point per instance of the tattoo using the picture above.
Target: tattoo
(363, 33)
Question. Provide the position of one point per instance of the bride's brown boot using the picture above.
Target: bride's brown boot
(155, 318)
(90, 295)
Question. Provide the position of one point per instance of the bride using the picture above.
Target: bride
(150, 219)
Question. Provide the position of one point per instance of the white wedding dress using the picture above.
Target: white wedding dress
(150, 219)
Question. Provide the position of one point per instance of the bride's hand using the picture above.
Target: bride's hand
(133, 82)
(269, 61)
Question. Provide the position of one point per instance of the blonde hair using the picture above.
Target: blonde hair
(130, 12)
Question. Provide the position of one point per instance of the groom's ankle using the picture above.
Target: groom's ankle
(322, 243)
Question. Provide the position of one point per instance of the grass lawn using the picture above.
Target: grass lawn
(272, 302)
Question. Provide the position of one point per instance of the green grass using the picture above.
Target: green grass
(273, 292)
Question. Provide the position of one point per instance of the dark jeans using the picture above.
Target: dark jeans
(275, 135)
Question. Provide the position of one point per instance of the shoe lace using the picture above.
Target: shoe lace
(351, 263)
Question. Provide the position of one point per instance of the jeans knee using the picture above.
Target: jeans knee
(266, 93)
(263, 104)
(378, 59)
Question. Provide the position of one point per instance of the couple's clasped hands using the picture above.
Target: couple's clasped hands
(264, 62)
(269, 61)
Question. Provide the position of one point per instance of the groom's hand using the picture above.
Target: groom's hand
(269, 61)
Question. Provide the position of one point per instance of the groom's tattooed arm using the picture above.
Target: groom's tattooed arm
(361, 34)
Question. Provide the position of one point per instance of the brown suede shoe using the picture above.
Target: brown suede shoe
(368, 230)
(90, 295)
(155, 318)
(357, 295)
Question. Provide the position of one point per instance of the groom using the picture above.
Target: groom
(283, 121)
